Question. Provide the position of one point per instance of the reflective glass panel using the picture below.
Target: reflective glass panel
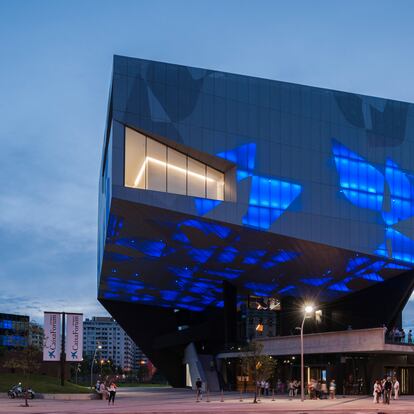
(196, 178)
(156, 166)
(134, 159)
(176, 172)
(215, 184)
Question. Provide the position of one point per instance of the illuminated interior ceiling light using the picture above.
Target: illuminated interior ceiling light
(140, 173)
(274, 304)
(172, 166)
(261, 304)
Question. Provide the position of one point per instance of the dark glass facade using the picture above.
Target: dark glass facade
(318, 203)
(14, 331)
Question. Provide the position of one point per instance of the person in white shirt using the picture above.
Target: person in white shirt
(267, 387)
(396, 388)
(102, 390)
(377, 391)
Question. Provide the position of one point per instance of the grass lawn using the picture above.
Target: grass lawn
(41, 384)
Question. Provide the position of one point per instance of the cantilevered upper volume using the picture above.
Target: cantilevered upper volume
(219, 190)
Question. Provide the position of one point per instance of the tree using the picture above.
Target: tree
(142, 373)
(255, 364)
(27, 361)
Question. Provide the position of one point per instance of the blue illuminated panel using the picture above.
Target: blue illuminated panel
(6, 324)
(316, 281)
(243, 156)
(252, 257)
(200, 255)
(402, 194)
(207, 228)
(115, 225)
(227, 255)
(340, 287)
(365, 186)
(204, 205)
(13, 341)
(261, 289)
(147, 247)
(361, 183)
(402, 247)
(269, 197)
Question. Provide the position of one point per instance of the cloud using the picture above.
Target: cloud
(34, 306)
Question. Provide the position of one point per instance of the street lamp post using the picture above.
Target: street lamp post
(93, 360)
(307, 312)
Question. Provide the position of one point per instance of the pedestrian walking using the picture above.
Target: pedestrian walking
(396, 388)
(387, 390)
(262, 387)
(112, 392)
(377, 391)
(332, 389)
(383, 390)
(324, 391)
(102, 391)
(199, 386)
(267, 385)
(296, 385)
(290, 388)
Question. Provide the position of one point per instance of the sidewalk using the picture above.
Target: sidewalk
(174, 401)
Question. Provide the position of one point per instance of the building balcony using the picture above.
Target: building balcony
(371, 340)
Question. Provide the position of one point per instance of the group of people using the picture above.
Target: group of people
(315, 389)
(319, 390)
(263, 387)
(399, 336)
(384, 389)
(106, 391)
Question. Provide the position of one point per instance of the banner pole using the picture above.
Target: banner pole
(63, 354)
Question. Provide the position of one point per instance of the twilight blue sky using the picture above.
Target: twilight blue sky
(54, 77)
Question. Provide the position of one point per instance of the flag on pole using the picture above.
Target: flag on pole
(51, 343)
(74, 337)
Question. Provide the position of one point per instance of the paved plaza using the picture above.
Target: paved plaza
(169, 401)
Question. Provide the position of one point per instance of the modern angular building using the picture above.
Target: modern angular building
(227, 202)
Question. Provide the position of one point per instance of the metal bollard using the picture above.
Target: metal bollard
(241, 396)
(208, 395)
(222, 396)
(273, 394)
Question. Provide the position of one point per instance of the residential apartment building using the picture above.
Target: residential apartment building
(116, 345)
(36, 335)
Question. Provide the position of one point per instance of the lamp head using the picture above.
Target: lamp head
(99, 346)
(308, 309)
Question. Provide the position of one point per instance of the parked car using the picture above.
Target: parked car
(17, 391)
